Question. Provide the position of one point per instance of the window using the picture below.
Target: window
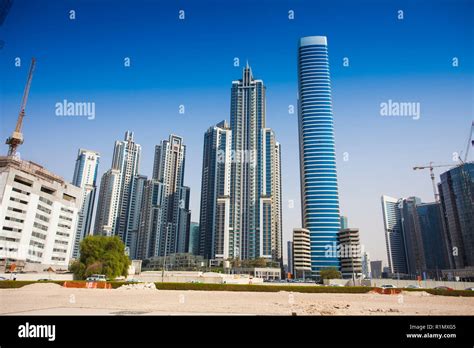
(47, 190)
(40, 226)
(9, 218)
(45, 200)
(44, 209)
(16, 210)
(18, 200)
(22, 181)
(69, 197)
(14, 189)
(38, 235)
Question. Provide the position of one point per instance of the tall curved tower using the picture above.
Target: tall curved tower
(319, 194)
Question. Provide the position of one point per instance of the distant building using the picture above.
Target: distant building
(214, 222)
(397, 262)
(366, 270)
(344, 222)
(176, 261)
(116, 191)
(85, 177)
(376, 269)
(301, 253)
(412, 236)
(165, 215)
(434, 243)
(108, 203)
(457, 202)
(290, 257)
(350, 253)
(194, 238)
(38, 215)
(136, 201)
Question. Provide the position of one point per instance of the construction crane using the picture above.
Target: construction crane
(431, 166)
(16, 138)
(470, 142)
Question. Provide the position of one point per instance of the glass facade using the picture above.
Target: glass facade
(457, 201)
(320, 202)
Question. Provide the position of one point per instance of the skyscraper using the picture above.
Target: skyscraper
(194, 239)
(108, 203)
(457, 201)
(319, 193)
(255, 184)
(85, 177)
(115, 196)
(165, 217)
(214, 220)
(434, 242)
(396, 256)
(137, 189)
(412, 236)
(126, 159)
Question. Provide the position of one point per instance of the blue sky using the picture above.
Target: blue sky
(190, 62)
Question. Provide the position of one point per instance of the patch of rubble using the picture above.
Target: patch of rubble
(138, 286)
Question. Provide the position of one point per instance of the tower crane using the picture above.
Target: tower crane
(430, 167)
(470, 142)
(16, 139)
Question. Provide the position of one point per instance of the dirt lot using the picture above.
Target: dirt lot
(52, 299)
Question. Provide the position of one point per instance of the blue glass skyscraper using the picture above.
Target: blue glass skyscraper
(319, 194)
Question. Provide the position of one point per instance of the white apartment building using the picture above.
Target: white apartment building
(38, 215)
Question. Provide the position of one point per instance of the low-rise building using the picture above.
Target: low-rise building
(38, 215)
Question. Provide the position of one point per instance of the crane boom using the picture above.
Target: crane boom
(16, 138)
(433, 182)
(470, 141)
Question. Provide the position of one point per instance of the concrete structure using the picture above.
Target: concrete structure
(394, 240)
(319, 192)
(350, 253)
(214, 222)
(197, 277)
(457, 196)
(255, 186)
(165, 216)
(301, 253)
(376, 269)
(38, 214)
(85, 177)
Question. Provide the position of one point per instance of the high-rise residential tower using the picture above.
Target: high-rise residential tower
(394, 240)
(319, 192)
(214, 220)
(116, 192)
(165, 216)
(85, 177)
(255, 185)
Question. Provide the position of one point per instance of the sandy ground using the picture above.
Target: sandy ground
(52, 299)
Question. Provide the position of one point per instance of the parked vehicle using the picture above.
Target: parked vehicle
(447, 288)
(43, 280)
(3, 278)
(469, 289)
(411, 286)
(97, 278)
(388, 286)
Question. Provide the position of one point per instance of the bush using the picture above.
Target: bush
(260, 288)
(101, 255)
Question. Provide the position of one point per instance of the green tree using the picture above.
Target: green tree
(101, 255)
(330, 273)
